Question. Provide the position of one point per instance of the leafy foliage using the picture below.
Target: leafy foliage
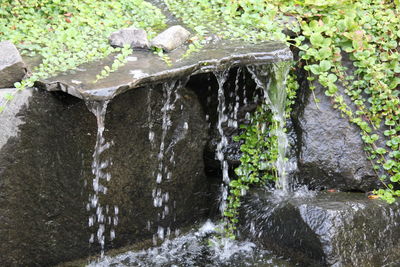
(325, 31)
(260, 152)
(66, 34)
(367, 32)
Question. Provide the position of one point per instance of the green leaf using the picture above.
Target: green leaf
(389, 165)
(395, 178)
(325, 65)
(380, 150)
(332, 78)
(317, 40)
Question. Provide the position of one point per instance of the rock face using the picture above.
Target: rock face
(339, 229)
(171, 38)
(331, 152)
(134, 37)
(181, 134)
(45, 163)
(12, 67)
(45, 155)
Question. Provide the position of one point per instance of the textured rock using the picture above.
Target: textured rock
(171, 38)
(45, 155)
(331, 151)
(339, 229)
(136, 38)
(12, 67)
(45, 162)
(151, 69)
(136, 162)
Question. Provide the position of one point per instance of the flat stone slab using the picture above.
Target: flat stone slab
(144, 67)
(330, 229)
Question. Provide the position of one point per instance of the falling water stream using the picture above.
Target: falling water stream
(272, 80)
(166, 158)
(223, 142)
(192, 249)
(160, 198)
(101, 215)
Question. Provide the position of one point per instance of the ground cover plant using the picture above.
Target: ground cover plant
(366, 31)
(66, 34)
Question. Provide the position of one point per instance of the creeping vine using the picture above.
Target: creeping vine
(325, 31)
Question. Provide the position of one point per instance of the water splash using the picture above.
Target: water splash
(272, 80)
(101, 214)
(196, 248)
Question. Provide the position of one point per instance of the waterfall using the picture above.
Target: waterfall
(272, 80)
(223, 142)
(101, 214)
(166, 157)
(269, 78)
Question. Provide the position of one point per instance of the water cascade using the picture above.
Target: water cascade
(63, 181)
(272, 79)
(174, 157)
(102, 213)
(166, 157)
(232, 96)
(222, 118)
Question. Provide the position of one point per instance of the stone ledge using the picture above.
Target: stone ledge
(145, 68)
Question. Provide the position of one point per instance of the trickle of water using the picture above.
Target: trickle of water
(149, 119)
(233, 120)
(272, 80)
(166, 155)
(223, 142)
(99, 165)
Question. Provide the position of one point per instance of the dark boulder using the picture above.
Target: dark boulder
(330, 149)
(45, 164)
(330, 229)
(136, 161)
(45, 156)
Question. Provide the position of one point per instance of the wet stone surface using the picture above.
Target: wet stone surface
(145, 68)
(329, 229)
(330, 149)
(46, 179)
(45, 156)
(131, 119)
(134, 37)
